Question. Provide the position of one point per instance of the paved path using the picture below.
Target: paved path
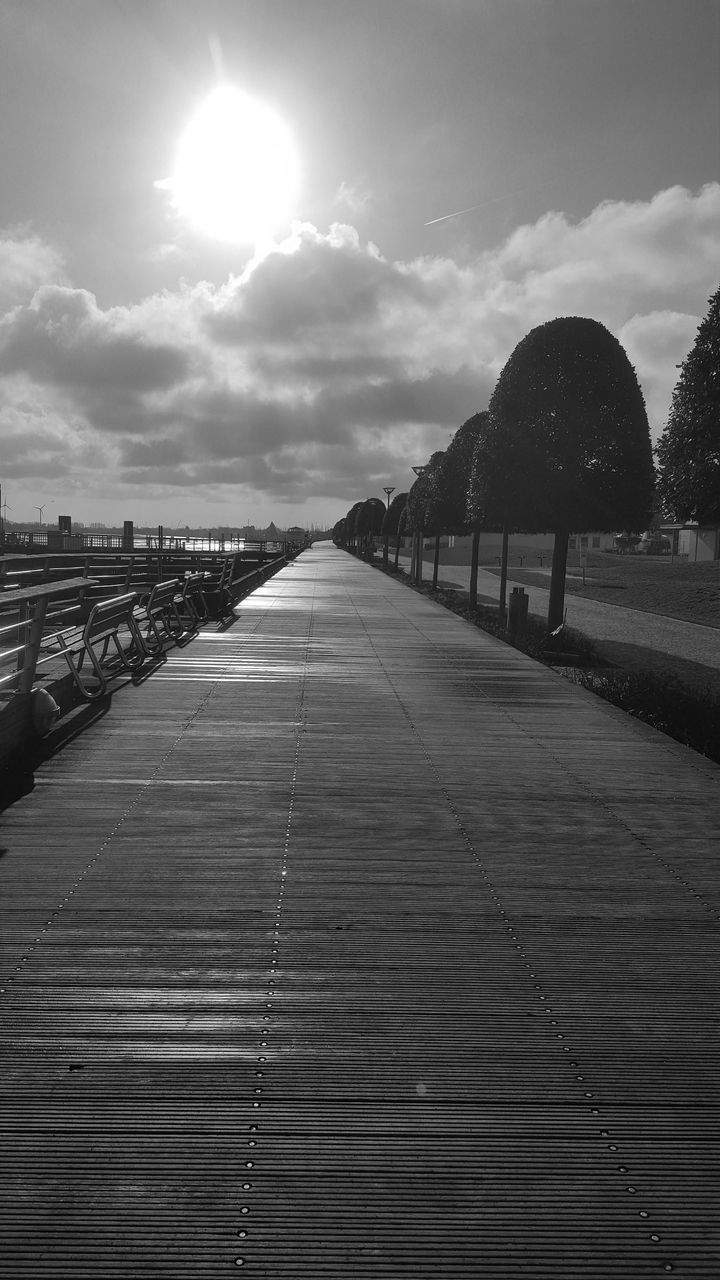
(353, 943)
(599, 621)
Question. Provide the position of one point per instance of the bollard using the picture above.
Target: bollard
(517, 614)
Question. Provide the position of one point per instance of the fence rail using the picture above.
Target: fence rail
(33, 542)
(27, 615)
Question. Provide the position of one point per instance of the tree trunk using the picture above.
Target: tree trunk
(503, 576)
(397, 549)
(474, 558)
(385, 549)
(420, 550)
(557, 581)
(436, 561)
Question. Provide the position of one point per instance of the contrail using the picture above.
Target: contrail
(495, 200)
(456, 214)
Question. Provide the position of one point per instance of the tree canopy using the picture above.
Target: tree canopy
(455, 470)
(339, 533)
(351, 521)
(567, 444)
(689, 449)
(424, 506)
(370, 517)
(391, 519)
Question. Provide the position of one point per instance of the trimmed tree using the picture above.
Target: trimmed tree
(439, 514)
(457, 468)
(390, 523)
(401, 530)
(369, 522)
(339, 533)
(689, 448)
(423, 510)
(351, 526)
(568, 445)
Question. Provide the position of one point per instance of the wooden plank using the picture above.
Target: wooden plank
(375, 949)
(45, 590)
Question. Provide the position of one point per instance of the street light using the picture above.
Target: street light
(387, 490)
(416, 558)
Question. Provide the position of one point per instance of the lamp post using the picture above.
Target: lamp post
(416, 559)
(387, 490)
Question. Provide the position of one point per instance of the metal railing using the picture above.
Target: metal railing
(28, 616)
(37, 542)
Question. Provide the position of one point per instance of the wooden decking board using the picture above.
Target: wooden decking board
(429, 927)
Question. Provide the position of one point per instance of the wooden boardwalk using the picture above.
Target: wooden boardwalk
(355, 943)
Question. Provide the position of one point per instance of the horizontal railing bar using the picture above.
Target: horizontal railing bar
(6, 654)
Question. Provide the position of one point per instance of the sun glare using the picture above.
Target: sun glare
(237, 169)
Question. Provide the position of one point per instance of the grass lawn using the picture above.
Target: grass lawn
(655, 584)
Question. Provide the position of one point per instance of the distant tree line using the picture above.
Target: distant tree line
(564, 447)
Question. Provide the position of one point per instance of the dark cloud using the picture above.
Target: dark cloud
(161, 451)
(447, 399)
(317, 367)
(62, 338)
(328, 281)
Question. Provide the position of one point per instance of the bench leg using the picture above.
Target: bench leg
(75, 670)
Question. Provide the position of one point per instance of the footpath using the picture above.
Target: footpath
(353, 943)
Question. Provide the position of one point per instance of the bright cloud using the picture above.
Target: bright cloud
(325, 369)
(26, 263)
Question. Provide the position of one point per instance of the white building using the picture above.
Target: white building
(694, 541)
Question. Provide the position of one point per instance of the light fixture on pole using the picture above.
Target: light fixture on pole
(416, 557)
(387, 490)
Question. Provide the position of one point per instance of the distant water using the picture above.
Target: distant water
(191, 544)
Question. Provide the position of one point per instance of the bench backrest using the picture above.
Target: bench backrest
(162, 594)
(108, 615)
(193, 584)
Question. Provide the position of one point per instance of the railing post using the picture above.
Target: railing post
(34, 623)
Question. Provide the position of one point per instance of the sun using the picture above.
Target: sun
(236, 170)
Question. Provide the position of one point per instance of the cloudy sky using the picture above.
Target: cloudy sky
(262, 311)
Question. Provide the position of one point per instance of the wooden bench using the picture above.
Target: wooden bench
(110, 640)
(218, 590)
(190, 603)
(159, 620)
